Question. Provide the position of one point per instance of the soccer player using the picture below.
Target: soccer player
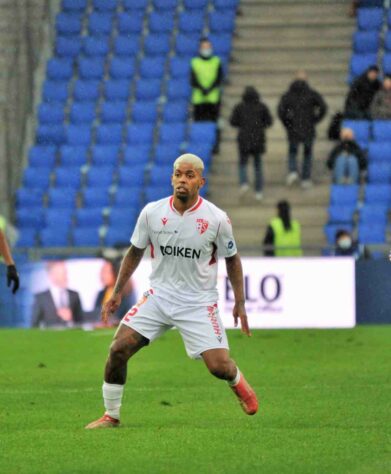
(12, 274)
(184, 233)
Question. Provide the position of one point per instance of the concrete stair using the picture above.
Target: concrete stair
(273, 39)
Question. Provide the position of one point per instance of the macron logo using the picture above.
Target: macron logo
(164, 220)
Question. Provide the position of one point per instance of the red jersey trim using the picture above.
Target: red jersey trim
(197, 205)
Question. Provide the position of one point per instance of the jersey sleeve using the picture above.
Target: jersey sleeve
(140, 237)
(226, 245)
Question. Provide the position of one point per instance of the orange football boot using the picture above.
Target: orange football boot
(246, 396)
(105, 422)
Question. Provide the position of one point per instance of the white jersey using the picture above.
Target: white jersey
(184, 248)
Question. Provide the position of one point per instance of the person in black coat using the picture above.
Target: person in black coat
(347, 159)
(362, 91)
(252, 118)
(300, 109)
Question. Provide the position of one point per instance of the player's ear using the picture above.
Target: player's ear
(202, 184)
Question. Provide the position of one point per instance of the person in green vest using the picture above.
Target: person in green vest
(5, 253)
(283, 233)
(206, 80)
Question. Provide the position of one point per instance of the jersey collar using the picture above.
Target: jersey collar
(192, 209)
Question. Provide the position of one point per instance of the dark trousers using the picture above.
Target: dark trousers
(243, 160)
(307, 157)
(208, 113)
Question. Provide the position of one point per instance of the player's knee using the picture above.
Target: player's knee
(220, 368)
(119, 353)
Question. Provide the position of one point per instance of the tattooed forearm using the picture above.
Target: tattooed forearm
(235, 275)
(129, 264)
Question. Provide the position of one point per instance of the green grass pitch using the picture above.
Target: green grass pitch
(325, 405)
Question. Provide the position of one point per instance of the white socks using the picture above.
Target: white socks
(112, 396)
(235, 381)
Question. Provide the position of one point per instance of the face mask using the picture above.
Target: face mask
(206, 53)
(345, 243)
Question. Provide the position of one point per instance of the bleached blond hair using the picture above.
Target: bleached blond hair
(190, 159)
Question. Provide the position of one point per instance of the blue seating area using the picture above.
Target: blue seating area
(114, 115)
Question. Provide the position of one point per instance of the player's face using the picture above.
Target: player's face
(187, 181)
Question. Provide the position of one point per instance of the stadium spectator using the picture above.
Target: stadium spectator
(252, 117)
(57, 306)
(347, 159)
(345, 246)
(381, 104)
(300, 109)
(283, 233)
(206, 79)
(361, 93)
(6, 255)
(108, 276)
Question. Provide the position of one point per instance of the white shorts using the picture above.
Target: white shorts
(200, 326)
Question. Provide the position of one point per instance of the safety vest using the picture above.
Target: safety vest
(291, 239)
(206, 71)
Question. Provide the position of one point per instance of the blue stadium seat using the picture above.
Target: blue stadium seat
(86, 237)
(36, 177)
(221, 22)
(96, 45)
(376, 215)
(203, 150)
(126, 45)
(51, 113)
(88, 217)
(160, 175)
(165, 155)
(78, 134)
(222, 43)
(68, 47)
(172, 132)
(371, 234)
(344, 195)
(157, 45)
(117, 237)
(179, 89)
(117, 89)
(175, 112)
(91, 68)
(109, 134)
(100, 176)
(126, 215)
(341, 214)
(105, 5)
(86, 90)
(42, 156)
(203, 132)
(370, 18)
(387, 63)
(152, 68)
(128, 195)
(68, 177)
(73, 155)
(365, 42)
(68, 24)
(389, 18)
(379, 172)
(113, 112)
(136, 155)
(135, 4)
(130, 23)
(148, 89)
(55, 91)
(54, 218)
(191, 22)
(33, 218)
(379, 151)
(59, 69)
(382, 131)
(179, 68)
(331, 229)
(62, 198)
(105, 155)
(359, 63)
(144, 112)
(387, 41)
(27, 238)
(82, 112)
(50, 135)
(186, 45)
(378, 194)
(54, 237)
(29, 197)
(195, 4)
(131, 175)
(361, 129)
(226, 5)
(121, 68)
(100, 23)
(96, 197)
(73, 5)
(161, 22)
(140, 134)
(154, 193)
(169, 5)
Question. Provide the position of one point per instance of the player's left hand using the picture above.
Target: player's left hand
(239, 312)
(12, 277)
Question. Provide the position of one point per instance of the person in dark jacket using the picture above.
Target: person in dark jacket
(381, 103)
(347, 159)
(300, 109)
(252, 117)
(361, 94)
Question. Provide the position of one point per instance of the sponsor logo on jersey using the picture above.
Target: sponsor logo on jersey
(185, 252)
(202, 225)
(212, 315)
(164, 220)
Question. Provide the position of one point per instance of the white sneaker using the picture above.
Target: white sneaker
(306, 184)
(292, 178)
(258, 196)
(243, 189)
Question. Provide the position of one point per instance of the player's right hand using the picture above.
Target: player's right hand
(110, 307)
